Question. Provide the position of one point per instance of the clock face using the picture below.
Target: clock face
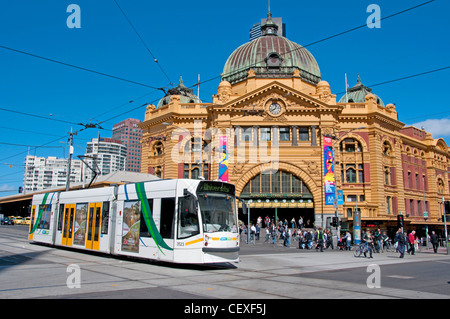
(275, 108)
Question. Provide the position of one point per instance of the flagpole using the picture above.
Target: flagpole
(346, 87)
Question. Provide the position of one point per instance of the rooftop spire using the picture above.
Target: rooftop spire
(269, 28)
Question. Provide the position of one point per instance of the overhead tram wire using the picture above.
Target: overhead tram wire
(143, 42)
(78, 67)
(404, 77)
(318, 41)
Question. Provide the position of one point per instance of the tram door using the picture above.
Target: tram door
(33, 213)
(93, 226)
(69, 214)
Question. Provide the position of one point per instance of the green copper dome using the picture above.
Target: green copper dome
(186, 95)
(271, 56)
(357, 94)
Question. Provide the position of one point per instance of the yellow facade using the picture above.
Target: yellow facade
(276, 123)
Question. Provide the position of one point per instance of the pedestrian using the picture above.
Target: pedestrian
(368, 239)
(293, 223)
(434, 241)
(267, 235)
(287, 238)
(252, 233)
(274, 234)
(329, 240)
(319, 238)
(300, 222)
(400, 240)
(411, 241)
(377, 238)
(348, 240)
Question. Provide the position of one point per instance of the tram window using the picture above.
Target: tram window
(144, 232)
(188, 224)
(44, 223)
(167, 216)
(105, 218)
(60, 217)
(217, 213)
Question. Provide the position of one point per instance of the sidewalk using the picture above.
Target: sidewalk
(261, 245)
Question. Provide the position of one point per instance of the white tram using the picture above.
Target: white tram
(180, 221)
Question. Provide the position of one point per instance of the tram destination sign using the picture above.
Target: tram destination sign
(218, 187)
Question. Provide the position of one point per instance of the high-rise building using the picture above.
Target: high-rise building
(43, 173)
(255, 31)
(130, 135)
(105, 155)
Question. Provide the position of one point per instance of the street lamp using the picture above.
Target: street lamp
(335, 139)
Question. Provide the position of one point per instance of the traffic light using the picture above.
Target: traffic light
(400, 221)
(20, 189)
(334, 221)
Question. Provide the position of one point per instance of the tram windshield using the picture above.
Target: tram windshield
(218, 212)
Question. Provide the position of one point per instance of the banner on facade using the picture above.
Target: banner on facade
(329, 175)
(223, 164)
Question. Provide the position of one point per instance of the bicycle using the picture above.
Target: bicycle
(388, 246)
(362, 249)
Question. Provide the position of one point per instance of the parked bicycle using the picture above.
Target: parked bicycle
(388, 246)
(362, 249)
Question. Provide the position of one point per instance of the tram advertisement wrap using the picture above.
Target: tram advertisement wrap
(223, 164)
(329, 175)
(131, 226)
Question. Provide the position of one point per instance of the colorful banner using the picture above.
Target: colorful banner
(329, 176)
(223, 164)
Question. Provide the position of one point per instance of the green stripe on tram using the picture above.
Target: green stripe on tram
(38, 219)
(148, 218)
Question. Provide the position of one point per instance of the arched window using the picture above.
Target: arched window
(387, 149)
(158, 148)
(350, 145)
(440, 185)
(279, 182)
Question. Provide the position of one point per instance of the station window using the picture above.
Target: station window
(285, 134)
(303, 133)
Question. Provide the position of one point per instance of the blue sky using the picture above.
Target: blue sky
(190, 38)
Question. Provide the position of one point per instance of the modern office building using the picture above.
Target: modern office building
(130, 135)
(255, 31)
(42, 173)
(104, 155)
(276, 131)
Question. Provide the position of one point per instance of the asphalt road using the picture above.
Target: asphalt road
(265, 272)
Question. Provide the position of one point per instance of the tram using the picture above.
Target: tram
(179, 221)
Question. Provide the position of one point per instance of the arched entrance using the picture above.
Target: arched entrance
(280, 195)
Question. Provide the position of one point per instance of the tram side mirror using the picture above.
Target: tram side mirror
(191, 200)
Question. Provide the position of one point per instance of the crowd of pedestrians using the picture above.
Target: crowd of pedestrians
(320, 239)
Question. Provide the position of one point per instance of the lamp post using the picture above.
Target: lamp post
(336, 139)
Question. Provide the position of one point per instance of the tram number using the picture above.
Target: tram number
(180, 244)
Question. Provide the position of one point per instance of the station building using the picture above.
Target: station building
(266, 132)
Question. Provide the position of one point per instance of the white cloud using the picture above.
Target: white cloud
(437, 127)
